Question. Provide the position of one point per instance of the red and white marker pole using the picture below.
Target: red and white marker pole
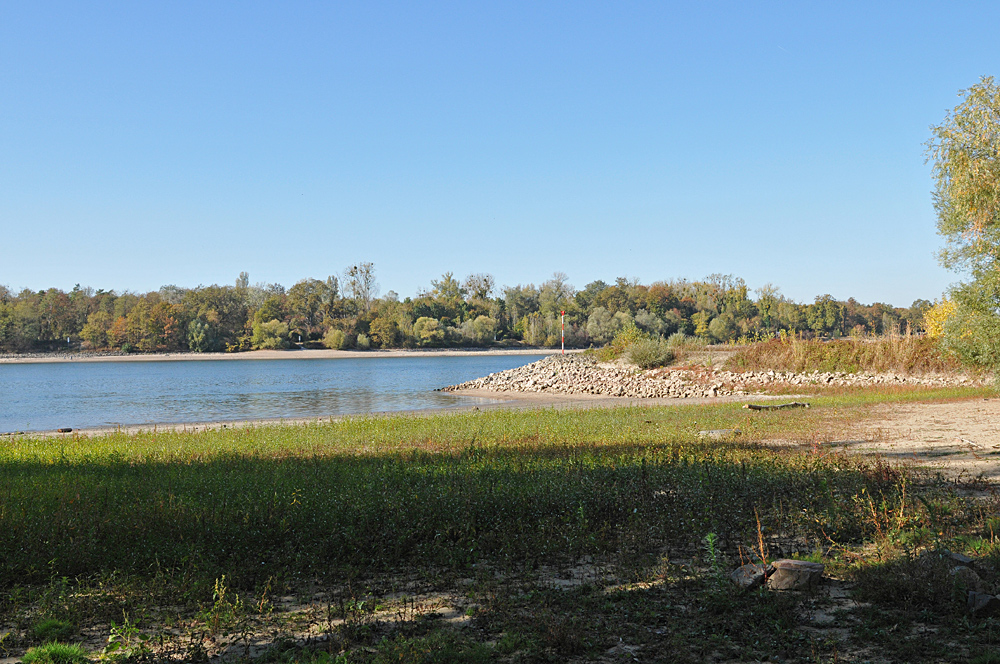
(562, 321)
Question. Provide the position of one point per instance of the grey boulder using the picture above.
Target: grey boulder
(795, 575)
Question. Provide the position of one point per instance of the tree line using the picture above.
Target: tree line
(347, 311)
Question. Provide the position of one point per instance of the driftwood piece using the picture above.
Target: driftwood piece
(777, 406)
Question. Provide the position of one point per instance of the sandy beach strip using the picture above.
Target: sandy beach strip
(297, 354)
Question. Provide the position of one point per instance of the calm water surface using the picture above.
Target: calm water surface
(37, 397)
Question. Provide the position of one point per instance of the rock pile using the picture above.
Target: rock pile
(840, 378)
(581, 374)
(981, 598)
(577, 374)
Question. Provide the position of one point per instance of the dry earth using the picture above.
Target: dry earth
(959, 438)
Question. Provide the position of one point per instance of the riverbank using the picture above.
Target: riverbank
(296, 354)
(603, 534)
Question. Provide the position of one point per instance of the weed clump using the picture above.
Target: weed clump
(52, 629)
(55, 653)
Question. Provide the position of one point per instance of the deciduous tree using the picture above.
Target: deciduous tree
(965, 153)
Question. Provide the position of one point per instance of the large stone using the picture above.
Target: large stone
(750, 576)
(960, 558)
(983, 605)
(966, 578)
(795, 575)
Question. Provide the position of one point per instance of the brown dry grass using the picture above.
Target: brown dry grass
(906, 355)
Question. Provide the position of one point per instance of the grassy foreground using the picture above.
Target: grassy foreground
(558, 534)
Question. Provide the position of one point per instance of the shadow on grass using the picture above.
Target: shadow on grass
(257, 518)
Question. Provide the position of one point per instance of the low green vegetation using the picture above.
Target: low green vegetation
(368, 494)
(558, 534)
(52, 629)
(56, 653)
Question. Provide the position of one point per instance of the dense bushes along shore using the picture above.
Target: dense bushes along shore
(346, 312)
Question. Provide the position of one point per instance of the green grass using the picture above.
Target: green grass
(369, 494)
(111, 527)
(53, 629)
(56, 653)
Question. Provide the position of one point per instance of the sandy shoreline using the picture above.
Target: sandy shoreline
(322, 354)
(484, 400)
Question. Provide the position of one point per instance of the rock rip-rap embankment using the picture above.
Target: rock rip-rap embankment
(582, 374)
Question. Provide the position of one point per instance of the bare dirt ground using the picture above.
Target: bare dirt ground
(959, 438)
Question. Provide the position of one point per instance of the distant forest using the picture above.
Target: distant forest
(346, 311)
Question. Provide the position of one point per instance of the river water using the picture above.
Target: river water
(39, 397)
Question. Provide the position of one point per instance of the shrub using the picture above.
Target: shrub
(602, 326)
(480, 331)
(937, 316)
(363, 342)
(679, 341)
(722, 328)
(485, 328)
(650, 353)
(201, 336)
(599, 325)
(272, 335)
(624, 339)
(335, 339)
(428, 331)
(384, 332)
(650, 322)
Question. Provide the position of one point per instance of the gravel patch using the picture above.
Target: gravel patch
(580, 374)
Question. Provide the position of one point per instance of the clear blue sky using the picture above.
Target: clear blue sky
(143, 144)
